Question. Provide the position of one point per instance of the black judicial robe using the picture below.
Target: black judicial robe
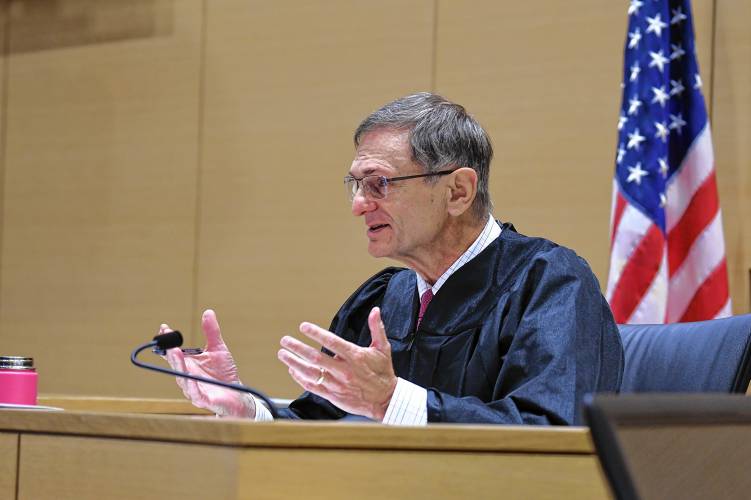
(516, 336)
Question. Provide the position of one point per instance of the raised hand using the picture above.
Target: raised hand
(214, 362)
(359, 380)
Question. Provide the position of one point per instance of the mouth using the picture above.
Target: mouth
(377, 228)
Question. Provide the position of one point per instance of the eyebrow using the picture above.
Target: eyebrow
(367, 171)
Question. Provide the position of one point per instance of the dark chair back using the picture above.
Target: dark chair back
(705, 356)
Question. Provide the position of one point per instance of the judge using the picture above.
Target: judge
(484, 325)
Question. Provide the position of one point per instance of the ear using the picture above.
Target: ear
(462, 190)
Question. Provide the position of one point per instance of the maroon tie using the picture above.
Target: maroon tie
(424, 301)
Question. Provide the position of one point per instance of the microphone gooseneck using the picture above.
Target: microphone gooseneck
(175, 339)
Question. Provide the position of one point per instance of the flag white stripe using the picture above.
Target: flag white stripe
(613, 199)
(697, 166)
(705, 254)
(651, 308)
(631, 230)
(726, 310)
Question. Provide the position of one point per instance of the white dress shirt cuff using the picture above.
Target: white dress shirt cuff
(408, 406)
(262, 414)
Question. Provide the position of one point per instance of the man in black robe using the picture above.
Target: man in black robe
(485, 326)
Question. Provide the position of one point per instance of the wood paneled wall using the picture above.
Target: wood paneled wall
(731, 121)
(165, 156)
(101, 166)
(285, 84)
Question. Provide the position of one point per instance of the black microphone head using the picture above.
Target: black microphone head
(169, 340)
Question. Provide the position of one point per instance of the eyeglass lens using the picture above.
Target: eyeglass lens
(374, 186)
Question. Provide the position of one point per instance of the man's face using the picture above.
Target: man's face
(404, 225)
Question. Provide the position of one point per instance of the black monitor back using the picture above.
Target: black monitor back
(673, 445)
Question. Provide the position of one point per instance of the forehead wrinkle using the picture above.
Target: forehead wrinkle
(383, 151)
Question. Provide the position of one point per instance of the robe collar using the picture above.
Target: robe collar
(463, 302)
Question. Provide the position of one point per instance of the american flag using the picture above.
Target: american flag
(667, 256)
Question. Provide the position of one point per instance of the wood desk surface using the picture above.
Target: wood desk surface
(145, 419)
(297, 434)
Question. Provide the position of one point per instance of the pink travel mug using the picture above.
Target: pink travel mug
(18, 380)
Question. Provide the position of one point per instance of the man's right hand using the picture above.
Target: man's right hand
(214, 362)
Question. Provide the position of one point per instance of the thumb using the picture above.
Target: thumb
(378, 339)
(211, 331)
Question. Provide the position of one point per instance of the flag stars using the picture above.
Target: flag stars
(636, 173)
(634, 139)
(663, 162)
(662, 131)
(663, 200)
(658, 59)
(634, 38)
(677, 122)
(697, 81)
(622, 121)
(676, 52)
(661, 96)
(634, 7)
(676, 88)
(635, 70)
(678, 16)
(656, 25)
(633, 105)
(621, 154)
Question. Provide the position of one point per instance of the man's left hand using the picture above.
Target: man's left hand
(359, 380)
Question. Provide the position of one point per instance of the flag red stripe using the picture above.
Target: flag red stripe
(637, 275)
(711, 296)
(620, 206)
(699, 213)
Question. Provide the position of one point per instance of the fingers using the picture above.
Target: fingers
(176, 359)
(164, 328)
(307, 384)
(305, 370)
(328, 340)
(378, 339)
(314, 356)
(190, 388)
(211, 331)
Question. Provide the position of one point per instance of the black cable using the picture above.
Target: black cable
(237, 387)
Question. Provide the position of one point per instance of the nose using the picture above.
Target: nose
(362, 204)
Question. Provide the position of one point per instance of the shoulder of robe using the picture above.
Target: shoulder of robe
(368, 293)
(541, 256)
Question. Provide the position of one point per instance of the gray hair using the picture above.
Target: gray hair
(442, 134)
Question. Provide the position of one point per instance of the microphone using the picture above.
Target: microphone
(169, 340)
(175, 339)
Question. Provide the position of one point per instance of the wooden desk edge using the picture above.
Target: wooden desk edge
(298, 434)
(122, 405)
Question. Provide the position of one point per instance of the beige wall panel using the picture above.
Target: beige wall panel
(543, 78)
(3, 114)
(731, 131)
(286, 84)
(100, 186)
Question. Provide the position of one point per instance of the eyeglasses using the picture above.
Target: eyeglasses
(377, 186)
